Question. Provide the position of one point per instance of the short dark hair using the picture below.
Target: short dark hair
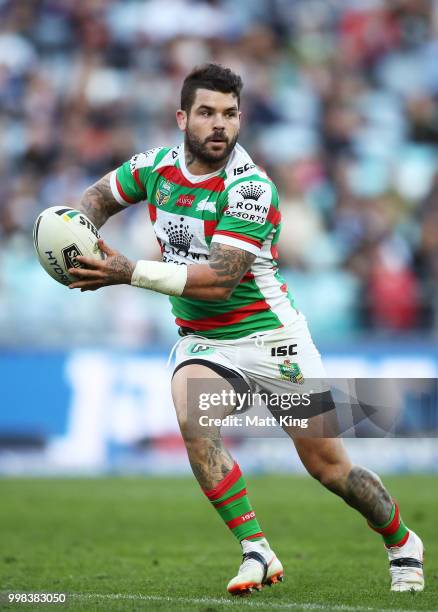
(209, 76)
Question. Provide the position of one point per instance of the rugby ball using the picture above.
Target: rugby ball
(60, 234)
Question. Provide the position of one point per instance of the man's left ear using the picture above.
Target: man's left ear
(181, 119)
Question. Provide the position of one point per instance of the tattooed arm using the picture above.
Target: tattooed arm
(98, 202)
(213, 281)
(217, 280)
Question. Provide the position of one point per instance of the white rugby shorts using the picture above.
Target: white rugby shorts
(279, 361)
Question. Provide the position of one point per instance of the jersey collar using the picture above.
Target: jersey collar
(199, 178)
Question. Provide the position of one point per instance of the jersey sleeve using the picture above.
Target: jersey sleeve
(128, 181)
(249, 214)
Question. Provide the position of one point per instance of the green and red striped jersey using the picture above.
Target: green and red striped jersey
(237, 206)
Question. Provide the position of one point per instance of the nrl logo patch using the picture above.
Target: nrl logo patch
(163, 193)
(291, 371)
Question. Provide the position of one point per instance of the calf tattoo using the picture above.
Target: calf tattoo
(365, 492)
(210, 461)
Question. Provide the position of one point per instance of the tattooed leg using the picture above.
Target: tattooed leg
(210, 461)
(326, 460)
(365, 492)
(217, 473)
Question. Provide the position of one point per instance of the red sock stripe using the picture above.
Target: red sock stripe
(260, 534)
(235, 522)
(402, 541)
(230, 499)
(230, 479)
(393, 525)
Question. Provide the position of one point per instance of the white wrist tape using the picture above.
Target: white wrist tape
(163, 277)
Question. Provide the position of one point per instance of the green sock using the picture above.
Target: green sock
(394, 531)
(231, 501)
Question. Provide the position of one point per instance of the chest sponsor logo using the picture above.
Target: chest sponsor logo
(251, 191)
(163, 193)
(179, 236)
(249, 203)
(185, 200)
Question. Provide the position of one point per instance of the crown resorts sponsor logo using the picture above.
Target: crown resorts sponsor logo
(249, 202)
(250, 191)
(179, 236)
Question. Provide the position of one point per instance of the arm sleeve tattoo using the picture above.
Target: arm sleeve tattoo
(98, 202)
(229, 263)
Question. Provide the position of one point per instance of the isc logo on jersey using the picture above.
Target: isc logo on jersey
(249, 201)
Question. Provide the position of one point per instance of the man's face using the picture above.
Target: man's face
(212, 125)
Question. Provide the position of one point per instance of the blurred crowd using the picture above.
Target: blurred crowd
(340, 105)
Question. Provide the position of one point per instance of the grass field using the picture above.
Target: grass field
(155, 544)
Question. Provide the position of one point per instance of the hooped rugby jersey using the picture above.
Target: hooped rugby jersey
(237, 206)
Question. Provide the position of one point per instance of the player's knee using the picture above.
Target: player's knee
(330, 475)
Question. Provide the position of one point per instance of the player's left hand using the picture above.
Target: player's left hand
(115, 269)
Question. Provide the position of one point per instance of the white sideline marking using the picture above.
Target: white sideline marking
(236, 602)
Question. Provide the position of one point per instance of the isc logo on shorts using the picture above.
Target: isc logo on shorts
(284, 351)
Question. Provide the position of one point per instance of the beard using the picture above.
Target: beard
(198, 148)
